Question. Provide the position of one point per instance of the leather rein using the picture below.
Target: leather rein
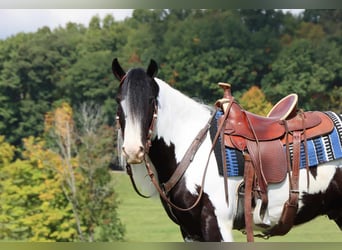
(188, 157)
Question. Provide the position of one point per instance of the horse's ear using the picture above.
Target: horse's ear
(117, 70)
(152, 69)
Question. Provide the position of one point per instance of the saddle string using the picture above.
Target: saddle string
(290, 207)
(220, 132)
(252, 183)
(224, 161)
(258, 146)
(301, 114)
(249, 173)
(306, 152)
(288, 158)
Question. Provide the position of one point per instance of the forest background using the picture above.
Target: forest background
(57, 99)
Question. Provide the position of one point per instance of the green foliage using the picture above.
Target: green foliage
(203, 51)
(33, 206)
(335, 100)
(85, 149)
(97, 199)
(254, 101)
(7, 152)
(61, 193)
(308, 69)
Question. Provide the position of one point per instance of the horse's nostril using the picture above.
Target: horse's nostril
(141, 152)
(134, 155)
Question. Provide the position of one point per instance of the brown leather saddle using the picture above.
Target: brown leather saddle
(262, 141)
(243, 128)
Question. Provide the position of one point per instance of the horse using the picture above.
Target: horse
(159, 126)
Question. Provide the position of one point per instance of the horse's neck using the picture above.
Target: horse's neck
(179, 118)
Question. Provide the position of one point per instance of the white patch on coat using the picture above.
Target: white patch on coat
(279, 193)
(132, 136)
(179, 118)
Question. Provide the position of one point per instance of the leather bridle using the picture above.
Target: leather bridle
(148, 143)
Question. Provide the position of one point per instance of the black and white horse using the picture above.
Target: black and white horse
(179, 118)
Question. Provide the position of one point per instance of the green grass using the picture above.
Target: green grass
(146, 221)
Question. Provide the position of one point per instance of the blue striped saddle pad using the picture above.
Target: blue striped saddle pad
(320, 149)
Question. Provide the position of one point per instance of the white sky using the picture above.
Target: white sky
(13, 21)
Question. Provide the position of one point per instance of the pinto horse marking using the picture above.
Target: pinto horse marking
(179, 120)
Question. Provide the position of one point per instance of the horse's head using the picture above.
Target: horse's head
(137, 104)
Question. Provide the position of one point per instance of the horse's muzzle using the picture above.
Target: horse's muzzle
(134, 156)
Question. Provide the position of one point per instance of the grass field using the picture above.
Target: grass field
(146, 221)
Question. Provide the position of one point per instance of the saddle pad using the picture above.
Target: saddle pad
(325, 148)
(320, 149)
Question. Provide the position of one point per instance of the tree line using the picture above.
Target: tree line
(52, 75)
(275, 51)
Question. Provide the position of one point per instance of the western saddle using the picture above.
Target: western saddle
(262, 140)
